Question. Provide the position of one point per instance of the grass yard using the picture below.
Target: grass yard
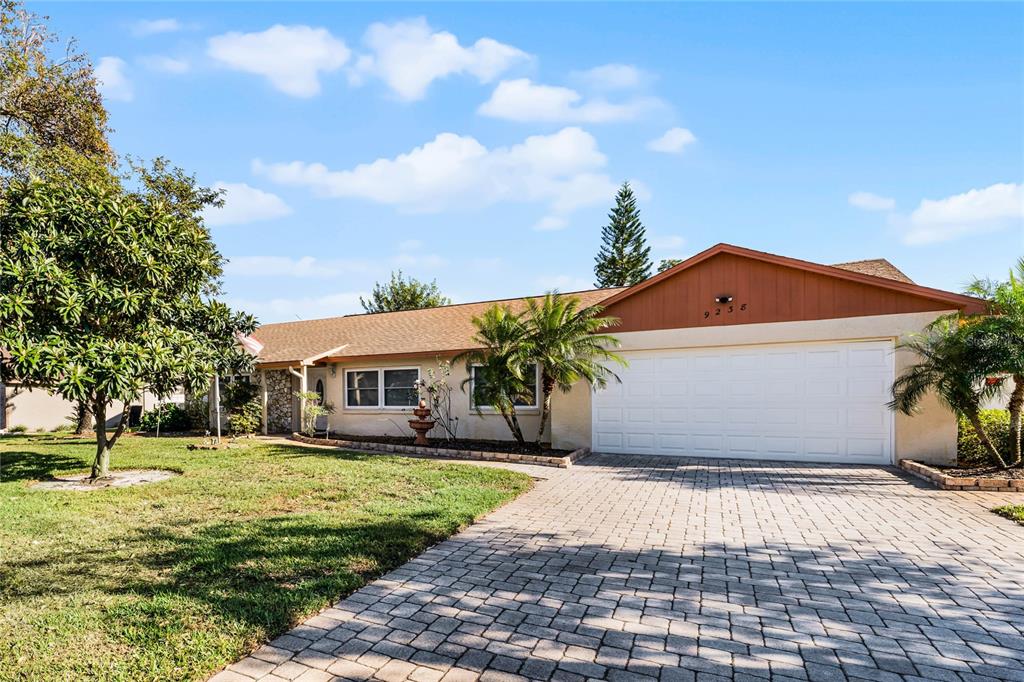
(1014, 512)
(172, 580)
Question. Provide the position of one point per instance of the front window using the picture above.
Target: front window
(361, 388)
(527, 400)
(382, 388)
(400, 387)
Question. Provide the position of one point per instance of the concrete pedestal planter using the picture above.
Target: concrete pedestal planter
(561, 461)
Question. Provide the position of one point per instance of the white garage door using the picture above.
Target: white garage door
(821, 402)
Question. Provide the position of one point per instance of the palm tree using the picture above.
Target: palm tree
(953, 365)
(1000, 337)
(562, 340)
(497, 364)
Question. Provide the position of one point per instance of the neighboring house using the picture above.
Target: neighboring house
(38, 410)
(732, 353)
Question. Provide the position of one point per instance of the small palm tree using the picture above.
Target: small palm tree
(951, 364)
(1000, 338)
(563, 341)
(497, 364)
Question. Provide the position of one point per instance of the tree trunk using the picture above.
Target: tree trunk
(547, 388)
(513, 425)
(986, 442)
(83, 417)
(101, 466)
(1016, 405)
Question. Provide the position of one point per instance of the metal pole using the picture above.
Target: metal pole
(216, 401)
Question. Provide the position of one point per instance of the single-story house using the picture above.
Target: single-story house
(732, 353)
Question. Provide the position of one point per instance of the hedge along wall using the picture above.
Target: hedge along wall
(969, 451)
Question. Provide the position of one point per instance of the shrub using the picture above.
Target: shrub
(18, 428)
(198, 411)
(246, 418)
(172, 417)
(969, 450)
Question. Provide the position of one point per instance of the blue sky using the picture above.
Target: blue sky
(481, 144)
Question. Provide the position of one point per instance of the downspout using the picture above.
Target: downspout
(302, 389)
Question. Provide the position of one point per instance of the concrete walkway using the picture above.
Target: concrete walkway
(632, 568)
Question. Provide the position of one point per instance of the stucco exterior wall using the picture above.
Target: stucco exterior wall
(394, 422)
(928, 436)
(37, 410)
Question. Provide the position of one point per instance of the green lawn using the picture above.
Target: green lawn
(172, 580)
(1014, 512)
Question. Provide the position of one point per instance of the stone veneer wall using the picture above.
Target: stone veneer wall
(279, 401)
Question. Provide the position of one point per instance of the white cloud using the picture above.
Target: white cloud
(148, 27)
(290, 57)
(245, 204)
(563, 283)
(112, 79)
(302, 308)
(673, 141)
(409, 56)
(612, 77)
(551, 223)
(668, 242)
(975, 211)
(871, 202)
(311, 267)
(523, 100)
(283, 266)
(410, 245)
(165, 64)
(455, 171)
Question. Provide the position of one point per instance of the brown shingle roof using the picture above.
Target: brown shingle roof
(429, 330)
(877, 267)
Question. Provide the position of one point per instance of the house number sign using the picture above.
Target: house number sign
(725, 310)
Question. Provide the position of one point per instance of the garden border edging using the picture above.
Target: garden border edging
(561, 462)
(945, 482)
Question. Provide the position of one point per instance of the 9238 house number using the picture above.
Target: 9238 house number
(725, 310)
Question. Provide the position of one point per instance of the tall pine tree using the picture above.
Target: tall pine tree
(624, 258)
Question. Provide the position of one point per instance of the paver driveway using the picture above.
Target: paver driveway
(643, 568)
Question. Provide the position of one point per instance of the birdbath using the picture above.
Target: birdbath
(421, 424)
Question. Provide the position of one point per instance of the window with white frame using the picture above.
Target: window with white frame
(528, 400)
(393, 388)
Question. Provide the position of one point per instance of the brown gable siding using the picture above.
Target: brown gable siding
(762, 292)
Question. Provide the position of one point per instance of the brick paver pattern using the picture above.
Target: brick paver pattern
(630, 568)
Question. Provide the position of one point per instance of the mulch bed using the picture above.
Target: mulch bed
(978, 478)
(983, 472)
(509, 446)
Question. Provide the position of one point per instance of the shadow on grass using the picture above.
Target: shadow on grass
(258, 576)
(33, 466)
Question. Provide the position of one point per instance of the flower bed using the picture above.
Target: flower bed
(989, 480)
(398, 445)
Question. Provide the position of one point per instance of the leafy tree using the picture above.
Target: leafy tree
(1000, 341)
(953, 365)
(107, 291)
(403, 294)
(624, 257)
(82, 417)
(563, 340)
(498, 363)
(51, 111)
(667, 263)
